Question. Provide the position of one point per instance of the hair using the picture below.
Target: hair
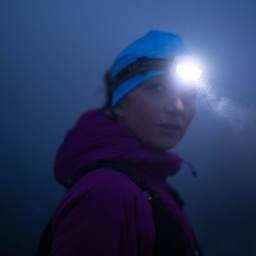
(107, 108)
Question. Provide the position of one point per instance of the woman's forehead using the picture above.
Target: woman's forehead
(165, 79)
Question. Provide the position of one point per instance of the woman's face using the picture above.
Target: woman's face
(158, 111)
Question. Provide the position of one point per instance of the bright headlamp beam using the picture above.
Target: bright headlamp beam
(186, 68)
(188, 71)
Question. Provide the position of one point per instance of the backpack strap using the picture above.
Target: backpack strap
(45, 241)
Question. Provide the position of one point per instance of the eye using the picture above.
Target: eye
(155, 87)
(188, 93)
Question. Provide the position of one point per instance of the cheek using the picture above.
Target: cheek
(189, 114)
(139, 108)
(141, 118)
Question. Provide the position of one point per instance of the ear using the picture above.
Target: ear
(119, 109)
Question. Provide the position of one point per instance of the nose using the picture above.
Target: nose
(174, 104)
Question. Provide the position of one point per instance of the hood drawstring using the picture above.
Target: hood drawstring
(191, 167)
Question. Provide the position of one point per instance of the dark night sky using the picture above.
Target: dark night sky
(53, 55)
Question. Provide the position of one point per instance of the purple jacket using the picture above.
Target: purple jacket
(105, 213)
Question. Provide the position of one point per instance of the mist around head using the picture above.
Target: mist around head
(240, 119)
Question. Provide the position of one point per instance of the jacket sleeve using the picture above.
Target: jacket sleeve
(111, 218)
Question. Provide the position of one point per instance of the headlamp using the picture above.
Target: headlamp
(188, 72)
(183, 67)
(186, 68)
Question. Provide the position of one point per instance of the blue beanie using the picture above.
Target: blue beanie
(154, 44)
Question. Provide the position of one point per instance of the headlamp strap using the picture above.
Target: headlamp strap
(141, 65)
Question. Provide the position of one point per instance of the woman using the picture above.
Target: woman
(115, 160)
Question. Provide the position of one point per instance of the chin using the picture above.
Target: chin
(164, 145)
(168, 147)
(168, 143)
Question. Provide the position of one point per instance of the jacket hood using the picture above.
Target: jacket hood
(96, 137)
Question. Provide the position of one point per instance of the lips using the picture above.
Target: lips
(170, 127)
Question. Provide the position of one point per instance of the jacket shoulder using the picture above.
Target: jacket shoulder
(104, 187)
(107, 182)
(103, 201)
